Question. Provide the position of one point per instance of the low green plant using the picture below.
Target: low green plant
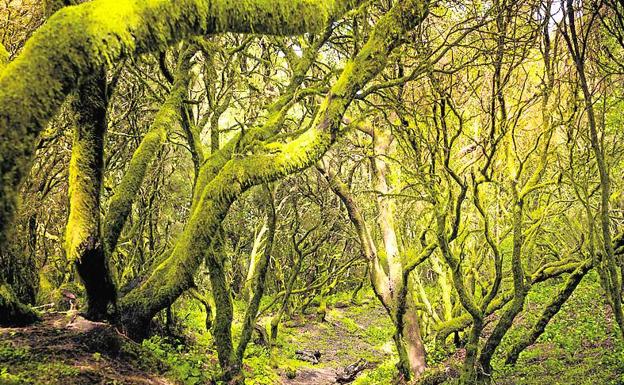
(189, 366)
(382, 375)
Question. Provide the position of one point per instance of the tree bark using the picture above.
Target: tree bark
(398, 305)
(78, 41)
(269, 162)
(83, 243)
(549, 312)
(167, 118)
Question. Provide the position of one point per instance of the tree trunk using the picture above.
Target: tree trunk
(78, 41)
(409, 344)
(83, 244)
(400, 309)
(549, 312)
(12, 311)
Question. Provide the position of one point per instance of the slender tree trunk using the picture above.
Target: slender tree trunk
(230, 359)
(259, 276)
(224, 311)
(520, 291)
(549, 312)
(355, 295)
(610, 272)
(400, 310)
(409, 343)
(275, 321)
(470, 373)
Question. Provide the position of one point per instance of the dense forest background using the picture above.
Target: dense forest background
(309, 191)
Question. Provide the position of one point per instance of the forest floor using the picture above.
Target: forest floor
(344, 338)
(580, 346)
(69, 350)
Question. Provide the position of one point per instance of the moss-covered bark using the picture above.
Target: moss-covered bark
(549, 312)
(78, 41)
(276, 319)
(391, 287)
(12, 311)
(230, 358)
(611, 277)
(520, 291)
(83, 242)
(270, 162)
(168, 116)
(224, 311)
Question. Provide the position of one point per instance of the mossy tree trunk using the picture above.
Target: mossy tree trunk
(79, 41)
(269, 162)
(83, 242)
(549, 312)
(12, 311)
(231, 357)
(224, 311)
(301, 254)
(407, 329)
(258, 278)
(611, 273)
(87, 245)
(167, 118)
(392, 291)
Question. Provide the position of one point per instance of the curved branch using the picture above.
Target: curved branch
(79, 40)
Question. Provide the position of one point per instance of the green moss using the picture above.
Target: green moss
(167, 118)
(85, 168)
(12, 311)
(80, 40)
(121, 202)
(83, 244)
(270, 162)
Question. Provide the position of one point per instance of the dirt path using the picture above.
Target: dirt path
(57, 351)
(342, 340)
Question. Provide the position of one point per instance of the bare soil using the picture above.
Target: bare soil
(68, 349)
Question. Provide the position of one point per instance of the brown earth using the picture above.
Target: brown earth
(70, 350)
